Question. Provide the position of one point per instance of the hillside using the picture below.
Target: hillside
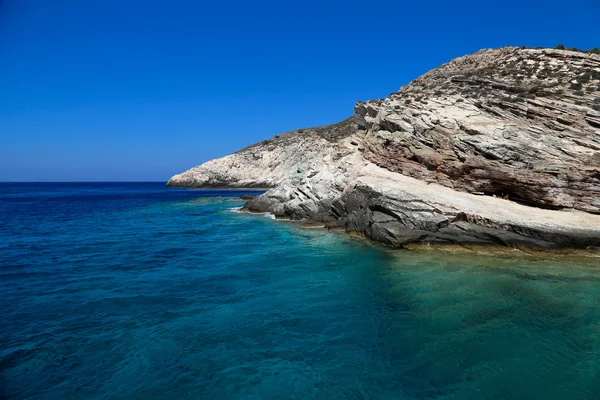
(498, 147)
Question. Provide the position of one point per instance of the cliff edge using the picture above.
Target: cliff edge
(498, 147)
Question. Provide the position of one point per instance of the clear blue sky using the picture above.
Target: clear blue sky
(140, 90)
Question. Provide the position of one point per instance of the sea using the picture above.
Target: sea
(136, 291)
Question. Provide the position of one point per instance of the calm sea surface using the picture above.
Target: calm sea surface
(135, 291)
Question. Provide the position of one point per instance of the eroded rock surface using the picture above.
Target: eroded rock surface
(290, 156)
(521, 123)
(396, 210)
(498, 147)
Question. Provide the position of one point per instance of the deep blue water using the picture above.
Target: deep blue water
(135, 291)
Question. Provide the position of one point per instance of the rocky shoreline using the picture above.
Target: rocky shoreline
(500, 147)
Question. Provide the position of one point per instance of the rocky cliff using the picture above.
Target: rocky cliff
(501, 146)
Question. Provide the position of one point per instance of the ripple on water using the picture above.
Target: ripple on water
(169, 294)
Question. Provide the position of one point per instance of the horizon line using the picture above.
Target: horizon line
(52, 181)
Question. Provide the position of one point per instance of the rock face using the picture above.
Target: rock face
(293, 155)
(497, 147)
(507, 122)
(400, 210)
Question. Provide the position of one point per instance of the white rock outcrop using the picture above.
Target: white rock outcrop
(498, 147)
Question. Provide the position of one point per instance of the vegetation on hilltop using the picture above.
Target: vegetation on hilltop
(595, 50)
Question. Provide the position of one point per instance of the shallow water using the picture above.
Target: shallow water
(123, 291)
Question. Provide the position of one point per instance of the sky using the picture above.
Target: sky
(133, 90)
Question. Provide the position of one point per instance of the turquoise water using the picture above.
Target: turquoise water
(133, 291)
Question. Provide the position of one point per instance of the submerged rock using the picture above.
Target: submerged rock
(497, 147)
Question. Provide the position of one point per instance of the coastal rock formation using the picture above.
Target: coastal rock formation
(293, 155)
(498, 147)
(518, 123)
